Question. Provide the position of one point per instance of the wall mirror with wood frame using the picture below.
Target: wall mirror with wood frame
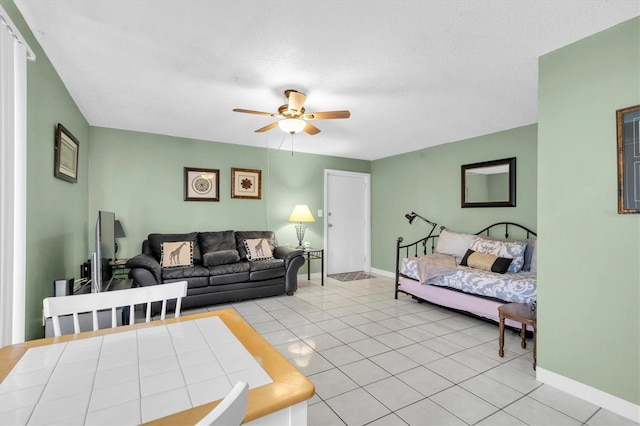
(489, 183)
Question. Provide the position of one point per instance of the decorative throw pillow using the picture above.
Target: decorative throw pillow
(534, 259)
(454, 243)
(509, 249)
(528, 252)
(156, 240)
(486, 261)
(257, 249)
(221, 257)
(176, 254)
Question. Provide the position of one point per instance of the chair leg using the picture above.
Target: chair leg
(501, 337)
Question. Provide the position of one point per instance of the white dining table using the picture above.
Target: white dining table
(164, 372)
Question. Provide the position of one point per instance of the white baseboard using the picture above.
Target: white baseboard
(595, 396)
(383, 273)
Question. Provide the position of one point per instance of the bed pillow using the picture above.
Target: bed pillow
(257, 249)
(486, 261)
(534, 259)
(509, 249)
(454, 243)
(528, 253)
(176, 254)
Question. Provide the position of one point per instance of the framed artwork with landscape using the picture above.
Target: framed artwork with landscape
(246, 183)
(201, 184)
(66, 155)
(628, 125)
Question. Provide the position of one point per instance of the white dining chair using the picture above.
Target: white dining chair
(54, 307)
(231, 410)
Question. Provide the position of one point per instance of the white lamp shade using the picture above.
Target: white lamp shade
(292, 125)
(301, 213)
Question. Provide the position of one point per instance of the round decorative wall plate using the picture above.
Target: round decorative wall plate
(201, 185)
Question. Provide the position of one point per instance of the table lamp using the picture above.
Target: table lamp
(301, 213)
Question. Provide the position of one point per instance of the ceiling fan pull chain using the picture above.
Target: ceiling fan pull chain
(292, 145)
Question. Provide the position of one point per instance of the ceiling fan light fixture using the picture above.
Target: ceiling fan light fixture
(292, 125)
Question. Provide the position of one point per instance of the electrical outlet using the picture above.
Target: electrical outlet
(319, 212)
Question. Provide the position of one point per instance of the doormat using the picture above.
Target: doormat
(351, 276)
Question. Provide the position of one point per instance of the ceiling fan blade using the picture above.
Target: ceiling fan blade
(311, 129)
(250, 111)
(327, 115)
(265, 128)
(296, 100)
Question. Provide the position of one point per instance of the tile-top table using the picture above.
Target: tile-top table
(173, 371)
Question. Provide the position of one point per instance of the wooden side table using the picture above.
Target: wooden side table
(522, 313)
(312, 254)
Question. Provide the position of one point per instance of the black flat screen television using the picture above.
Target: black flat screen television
(105, 249)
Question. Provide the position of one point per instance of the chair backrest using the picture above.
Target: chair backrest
(231, 410)
(54, 307)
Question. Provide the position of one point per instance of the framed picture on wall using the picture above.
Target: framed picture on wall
(66, 155)
(201, 184)
(246, 183)
(628, 125)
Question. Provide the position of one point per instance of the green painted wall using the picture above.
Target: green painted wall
(589, 268)
(139, 176)
(56, 210)
(428, 182)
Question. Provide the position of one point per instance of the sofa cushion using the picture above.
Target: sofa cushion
(156, 240)
(231, 268)
(266, 274)
(270, 236)
(176, 254)
(180, 273)
(235, 279)
(216, 241)
(257, 249)
(261, 265)
(222, 257)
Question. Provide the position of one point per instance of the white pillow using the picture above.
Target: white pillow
(509, 249)
(454, 243)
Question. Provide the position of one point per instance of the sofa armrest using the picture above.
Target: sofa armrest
(146, 262)
(287, 253)
(293, 260)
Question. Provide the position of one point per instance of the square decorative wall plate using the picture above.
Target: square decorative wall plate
(246, 183)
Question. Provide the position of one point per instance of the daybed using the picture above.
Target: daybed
(219, 267)
(472, 288)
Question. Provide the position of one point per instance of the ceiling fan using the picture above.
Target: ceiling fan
(293, 118)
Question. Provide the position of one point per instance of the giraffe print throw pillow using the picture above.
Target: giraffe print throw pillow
(257, 249)
(176, 254)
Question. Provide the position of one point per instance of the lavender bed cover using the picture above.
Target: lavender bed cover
(510, 287)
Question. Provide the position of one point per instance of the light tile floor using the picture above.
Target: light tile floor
(375, 360)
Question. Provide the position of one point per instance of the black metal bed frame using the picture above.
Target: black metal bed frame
(414, 247)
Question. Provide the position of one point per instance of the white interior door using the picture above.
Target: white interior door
(347, 229)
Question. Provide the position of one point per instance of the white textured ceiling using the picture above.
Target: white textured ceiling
(413, 73)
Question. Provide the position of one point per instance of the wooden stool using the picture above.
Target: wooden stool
(522, 313)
